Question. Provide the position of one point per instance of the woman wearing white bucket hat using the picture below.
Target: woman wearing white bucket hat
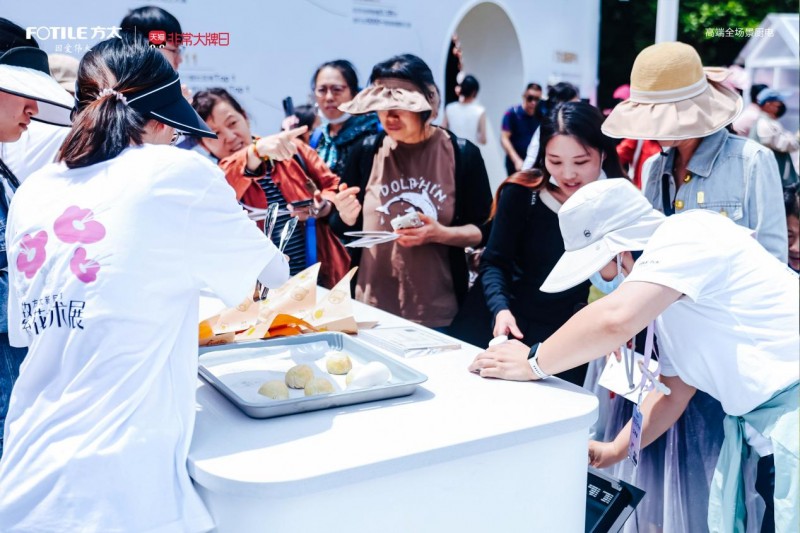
(726, 316)
(683, 106)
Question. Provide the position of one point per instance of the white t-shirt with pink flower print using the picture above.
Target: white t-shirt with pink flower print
(106, 263)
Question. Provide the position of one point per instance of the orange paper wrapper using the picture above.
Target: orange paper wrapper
(209, 338)
(295, 297)
(288, 310)
(282, 326)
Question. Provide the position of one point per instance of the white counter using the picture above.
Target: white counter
(462, 454)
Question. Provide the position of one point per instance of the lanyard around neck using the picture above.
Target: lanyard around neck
(649, 380)
(11, 178)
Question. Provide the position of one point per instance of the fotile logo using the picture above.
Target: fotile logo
(71, 33)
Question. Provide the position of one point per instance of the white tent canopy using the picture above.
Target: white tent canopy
(772, 57)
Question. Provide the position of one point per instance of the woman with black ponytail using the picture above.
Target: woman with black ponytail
(108, 250)
(525, 242)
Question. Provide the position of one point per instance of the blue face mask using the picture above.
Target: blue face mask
(608, 287)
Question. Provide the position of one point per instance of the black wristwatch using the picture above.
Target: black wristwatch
(533, 364)
(532, 353)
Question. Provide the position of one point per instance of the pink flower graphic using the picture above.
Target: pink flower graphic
(32, 256)
(77, 225)
(85, 269)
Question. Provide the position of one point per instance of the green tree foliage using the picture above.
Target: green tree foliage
(698, 18)
(629, 26)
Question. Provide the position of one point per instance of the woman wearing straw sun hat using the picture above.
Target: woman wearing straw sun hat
(726, 316)
(412, 169)
(683, 106)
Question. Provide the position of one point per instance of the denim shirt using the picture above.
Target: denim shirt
(731, 175)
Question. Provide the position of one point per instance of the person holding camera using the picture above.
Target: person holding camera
(276, 169)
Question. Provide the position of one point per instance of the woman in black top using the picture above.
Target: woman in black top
(525, 242)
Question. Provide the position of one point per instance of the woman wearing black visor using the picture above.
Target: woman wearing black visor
(108, 250)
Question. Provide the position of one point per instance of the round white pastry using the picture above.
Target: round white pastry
(275, 389)
(500, 339)
(298, 376)
(338, 363)
(318, 386)
(372, 374)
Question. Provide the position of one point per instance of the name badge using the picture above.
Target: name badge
(635, 445)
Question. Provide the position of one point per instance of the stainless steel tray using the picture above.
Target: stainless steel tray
(238, 370)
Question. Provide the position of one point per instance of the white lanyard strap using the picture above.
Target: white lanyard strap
(649, 379)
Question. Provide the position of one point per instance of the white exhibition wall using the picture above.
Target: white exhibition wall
(275, 45)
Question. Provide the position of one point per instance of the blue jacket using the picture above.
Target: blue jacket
(731, 175)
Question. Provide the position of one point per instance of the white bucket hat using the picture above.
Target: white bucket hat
(24, 72)
(599, 221)
(673, 97)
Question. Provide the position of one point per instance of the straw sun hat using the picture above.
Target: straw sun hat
(673, 97)
(381, 98)
(393, 93)
(64, 70)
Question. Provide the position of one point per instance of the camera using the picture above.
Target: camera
(304, 206)
(288, 106)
